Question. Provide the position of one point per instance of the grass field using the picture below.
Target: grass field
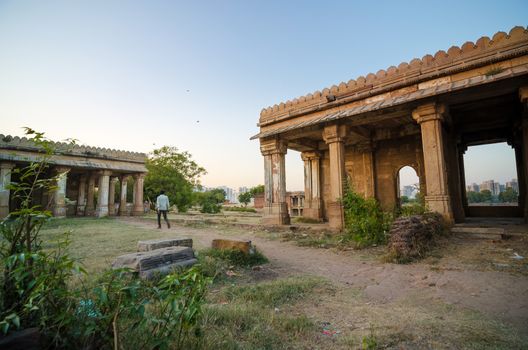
(262, 309)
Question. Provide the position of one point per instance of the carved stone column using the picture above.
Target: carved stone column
(430, 117)
(59, 193)
(523, 95)
(90, 200)
(138, 194)
(102, 194)
(5, 180)
(111, 196)
(123, 195)
(334, 137)
(312, 196)
(81, 197)
(275, 206)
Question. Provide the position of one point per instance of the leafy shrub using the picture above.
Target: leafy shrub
(411, 209)
(365, 223)
(236, 257)
(240, 209)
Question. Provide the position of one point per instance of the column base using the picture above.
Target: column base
(276, 214)
(4, 212)
(59, 212)
(138, 211)
(440, 204)
(314, 211)
(335, 215)
(101, 212)
(80, 210)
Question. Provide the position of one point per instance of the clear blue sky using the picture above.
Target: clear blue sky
(136, 75)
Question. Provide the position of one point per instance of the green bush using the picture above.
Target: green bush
(236, 257)
(365, 223)
(240, 209)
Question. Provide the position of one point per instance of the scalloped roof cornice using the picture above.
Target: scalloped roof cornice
(470, 55)
(23, 143)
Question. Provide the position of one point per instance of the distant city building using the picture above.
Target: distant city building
(488, 185)
(409, 191)
(473, 188)
(513, 184)
(242, 190)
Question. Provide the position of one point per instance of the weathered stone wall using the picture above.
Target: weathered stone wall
(391, 156)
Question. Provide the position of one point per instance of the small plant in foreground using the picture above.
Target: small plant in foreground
(365, 223)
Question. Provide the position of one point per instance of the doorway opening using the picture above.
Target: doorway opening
(491, 178)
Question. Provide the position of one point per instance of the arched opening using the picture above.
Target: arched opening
(294, 183)
(408, 186)
(491, 178)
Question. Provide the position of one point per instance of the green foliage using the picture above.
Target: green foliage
(508, 196)
(33, 283)
(236, 257)
(210, 201)
(245, 198)
(240, 209)
(413, 208)
(256, 190)
(133, 314)
(365, 223)
(174, 172)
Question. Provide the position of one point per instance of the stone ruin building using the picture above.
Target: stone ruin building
(422, 114)
(84, 174)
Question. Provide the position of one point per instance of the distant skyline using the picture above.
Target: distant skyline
(137, 75)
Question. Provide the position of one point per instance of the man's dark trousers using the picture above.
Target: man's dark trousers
(164, 212)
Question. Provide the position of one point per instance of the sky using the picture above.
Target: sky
(137, 75)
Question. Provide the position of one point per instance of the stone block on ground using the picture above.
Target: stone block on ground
(159, 261)
(145, 246)
(230, 244)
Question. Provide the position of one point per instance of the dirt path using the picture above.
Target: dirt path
(500, 295)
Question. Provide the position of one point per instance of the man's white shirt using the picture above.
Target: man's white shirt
(162, 202)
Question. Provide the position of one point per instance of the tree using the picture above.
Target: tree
(245, 198)
(508, 196)
(174, 172)
(486, 195)
(211, 201)
(256, 190)
(474, 197)
(404, 199)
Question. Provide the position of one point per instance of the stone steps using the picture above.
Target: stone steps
(495, 233)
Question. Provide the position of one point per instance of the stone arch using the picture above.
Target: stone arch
(409, 170)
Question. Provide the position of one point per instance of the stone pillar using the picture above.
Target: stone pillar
(111, 196)
(523, 95)
(5, 180)
(102, 194)
(138, 194)
(123, 195)
(275, 206)
(430, 117)
(312, 195)
(59, 193)
(90, 200)
(81, 198)
(334, 137)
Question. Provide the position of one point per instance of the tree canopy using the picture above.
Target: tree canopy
(174, 172)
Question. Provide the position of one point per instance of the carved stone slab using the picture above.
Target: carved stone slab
(145, 246)
(155, 259)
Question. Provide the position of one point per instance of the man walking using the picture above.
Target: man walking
(162, 206)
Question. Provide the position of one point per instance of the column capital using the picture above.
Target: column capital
(523, 94)
(104, 172)
(124, 178)
(273, 146)
(310, 155)
(7, 165)
(430, 111)
(334, 133)
(61, 169)
(114, 179)
(139, 176)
